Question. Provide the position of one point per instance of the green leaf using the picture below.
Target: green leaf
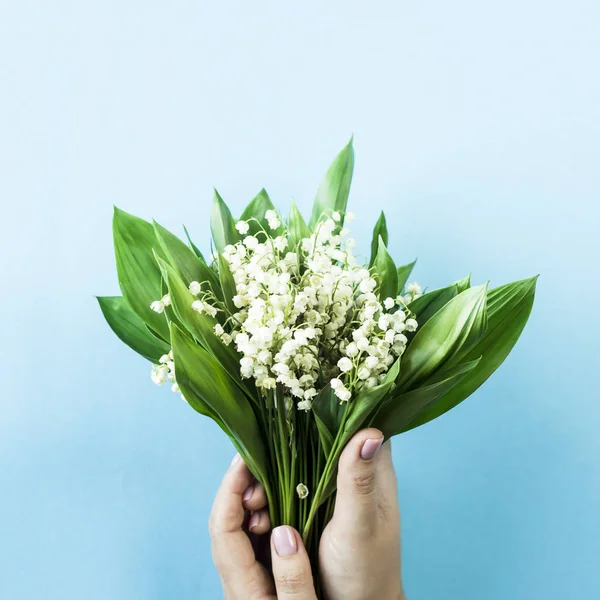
(169, 312)
(334, 188)
(458, 325)
(227, 284)
(425, 306)
(403, 274)
(199, 405)
(130, 329)
(463, 284)
(380, 230)
(508, 309)
(386, 270)
(222, 224)
(180, 257)
(328, 414)
(193, 246)
(200, 375)
(400, 410)
(139, 275)
(298, 230)
(255, 212)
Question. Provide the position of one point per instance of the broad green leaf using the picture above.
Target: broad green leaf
(386, 270)
(180, 257)
(255, 212)
(400, 410)
(193, 246)
(199, 405)
(380, 230)
(403, 274)
(201, 375)
(298, 229)
(222, 224)
(334, 188)
(130, 329)
(139, 275)
(508, 309)
(458, 325)
(425, 306)
(463, 284)
(227, 284)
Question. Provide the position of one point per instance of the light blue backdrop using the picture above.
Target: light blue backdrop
(477, 127)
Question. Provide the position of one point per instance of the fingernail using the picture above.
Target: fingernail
(370, 448)
(248, 493)
(236, 458)
(253, 521)
(284, 541)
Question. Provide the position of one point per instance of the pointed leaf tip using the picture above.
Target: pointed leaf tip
(222, 224)
(386, 270)
(334, 188)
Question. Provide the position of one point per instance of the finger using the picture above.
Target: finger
(254, 497)
(231, 547)
(291, 566)
(356, 502)
(259, 522)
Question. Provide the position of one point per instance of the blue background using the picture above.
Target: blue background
(477, 128)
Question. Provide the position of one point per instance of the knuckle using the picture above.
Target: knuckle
(292, 581)
(224, 520)
(364, 483)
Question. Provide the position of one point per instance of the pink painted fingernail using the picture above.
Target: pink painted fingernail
(284, 541)
(248, 493)
(370, 448)
(236, 458)
(253, 521)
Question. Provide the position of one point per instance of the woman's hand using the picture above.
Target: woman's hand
(359, 554)
(236, 540)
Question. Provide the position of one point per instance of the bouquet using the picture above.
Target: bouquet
(291, 344)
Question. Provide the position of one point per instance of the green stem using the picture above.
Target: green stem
(293, 477)
(330, 465)
(285, 458)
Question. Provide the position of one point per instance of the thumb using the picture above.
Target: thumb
(291, 566)
(356, 501)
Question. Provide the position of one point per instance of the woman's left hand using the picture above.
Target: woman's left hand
(238, 524)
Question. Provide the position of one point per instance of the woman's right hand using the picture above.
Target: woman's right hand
(359, 554)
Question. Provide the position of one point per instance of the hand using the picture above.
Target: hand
(359, 553)
(236, 541)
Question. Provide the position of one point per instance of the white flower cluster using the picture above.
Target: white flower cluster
(308, 316)
(165, 371)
